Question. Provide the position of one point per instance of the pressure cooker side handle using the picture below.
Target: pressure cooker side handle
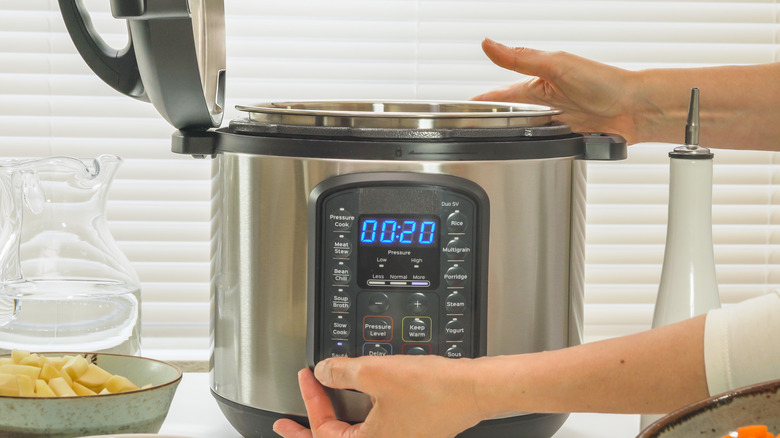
(604, 147)
(117, 68)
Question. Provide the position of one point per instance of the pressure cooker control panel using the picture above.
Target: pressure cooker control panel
(397, 266)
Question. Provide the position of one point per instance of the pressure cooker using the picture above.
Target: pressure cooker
(362, 228)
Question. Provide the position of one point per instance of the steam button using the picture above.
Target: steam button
(456, 222)
(455, 303)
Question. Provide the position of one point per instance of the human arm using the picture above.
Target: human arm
(619, 375)
(738, 103)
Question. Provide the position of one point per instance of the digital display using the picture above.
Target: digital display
(399, 231)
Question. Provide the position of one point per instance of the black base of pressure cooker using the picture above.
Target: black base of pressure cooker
(258, 423)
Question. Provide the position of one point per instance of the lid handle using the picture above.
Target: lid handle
(117, 68)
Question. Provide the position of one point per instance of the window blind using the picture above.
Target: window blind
(52, 104)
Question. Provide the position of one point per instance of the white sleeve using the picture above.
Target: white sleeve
(742, 344)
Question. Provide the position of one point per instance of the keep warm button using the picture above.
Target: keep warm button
(417, 329)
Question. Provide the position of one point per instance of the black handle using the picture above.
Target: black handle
(117, 68)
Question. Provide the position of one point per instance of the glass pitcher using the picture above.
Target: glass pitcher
(64, 283)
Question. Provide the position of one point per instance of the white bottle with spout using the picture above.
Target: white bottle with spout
(688, 284)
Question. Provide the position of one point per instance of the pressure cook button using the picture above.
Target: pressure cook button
(341, 274)
(378, 303)
(340, 328)
(341, 220)
(456, 249)
(456, 276)
(454, 330)
(342, 248)
(455, 304)
(456, 222)
(340, 302)
(417, 303)
(454, 352)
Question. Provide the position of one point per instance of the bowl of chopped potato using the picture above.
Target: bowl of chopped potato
(61, 395)
(749, 412)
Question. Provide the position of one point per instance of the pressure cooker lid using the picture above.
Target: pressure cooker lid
(400, 119)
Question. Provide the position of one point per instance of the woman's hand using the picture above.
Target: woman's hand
(413, 396)
(594, 97)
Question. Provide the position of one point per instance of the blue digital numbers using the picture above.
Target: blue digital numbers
(397, 231)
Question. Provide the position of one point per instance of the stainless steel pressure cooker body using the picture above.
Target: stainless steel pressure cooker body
(346, 229)
(362, 228)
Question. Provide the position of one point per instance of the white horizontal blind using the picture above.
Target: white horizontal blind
(52, 104)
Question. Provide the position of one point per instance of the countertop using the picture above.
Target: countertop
(194, 414)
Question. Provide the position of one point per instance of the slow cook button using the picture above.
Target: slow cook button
(341, 220)
(417, 329)
(456, 222)
(456, 276)
(454, 330)
(340, 328)
(378, 328)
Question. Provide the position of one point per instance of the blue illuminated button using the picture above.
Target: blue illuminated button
(456, 222)
(456, 276)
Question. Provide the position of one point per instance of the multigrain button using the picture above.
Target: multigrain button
(454, 330)
(456, 276)
(456, 222)
(457, 249)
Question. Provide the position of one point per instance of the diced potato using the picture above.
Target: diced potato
(8, 385)
(80, 389)
(61, 387)
(94, 378)
(76, 367)
(42, 389)
(32, 375)
(18, 355)
(120, 384)
(26, 386)
(17, 369)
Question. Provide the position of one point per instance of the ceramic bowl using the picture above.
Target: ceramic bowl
(722, 414)
(140, 411)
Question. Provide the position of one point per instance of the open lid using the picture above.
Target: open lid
(175, 58)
